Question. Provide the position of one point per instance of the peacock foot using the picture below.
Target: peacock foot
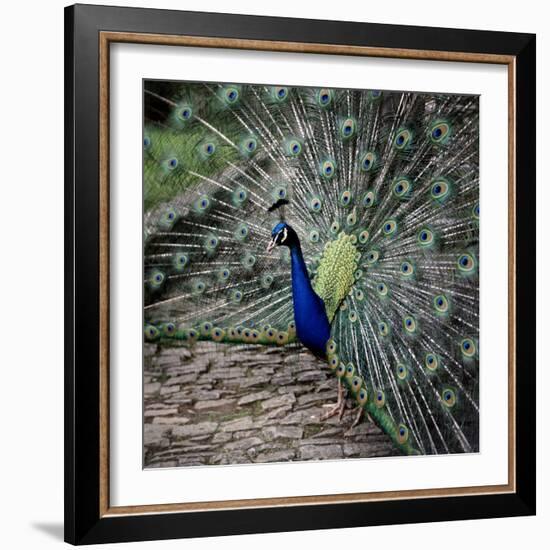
(356, 421)
(338, 408)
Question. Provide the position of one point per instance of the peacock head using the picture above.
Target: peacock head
(282, 235)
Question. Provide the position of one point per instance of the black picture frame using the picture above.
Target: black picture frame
(84, 522)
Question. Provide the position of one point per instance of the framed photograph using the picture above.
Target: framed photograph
(299, 274)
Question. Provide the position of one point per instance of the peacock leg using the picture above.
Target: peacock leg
(356, 421)
(338, 408)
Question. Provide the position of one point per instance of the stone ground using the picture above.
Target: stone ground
(217, 404)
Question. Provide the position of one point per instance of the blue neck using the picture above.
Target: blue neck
(312, 326)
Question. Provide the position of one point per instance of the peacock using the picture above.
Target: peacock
(344, 221)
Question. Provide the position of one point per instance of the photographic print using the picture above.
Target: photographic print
(310, 263)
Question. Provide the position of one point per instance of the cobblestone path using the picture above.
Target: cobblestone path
(216, 404)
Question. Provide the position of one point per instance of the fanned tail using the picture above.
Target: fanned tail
(395, 173)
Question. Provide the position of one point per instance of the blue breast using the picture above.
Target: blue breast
(312, 325)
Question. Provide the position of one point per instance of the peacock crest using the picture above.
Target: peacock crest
(346, 221)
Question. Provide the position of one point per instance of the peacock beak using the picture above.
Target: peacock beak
(271, 245)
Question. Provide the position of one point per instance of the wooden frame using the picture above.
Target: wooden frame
(89, 517)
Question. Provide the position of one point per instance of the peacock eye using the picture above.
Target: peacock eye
(363, 236)
(356, 384)
(431, 361)
(440, 190)
(211, 242)
(347, 128)
(389, 227)
(372, 256)
(402, 139)
(209, 149)
(368, 161)
(401, 372)
(375, 94)
(223, 274)
(248, 260)
(383, 328)
(382, 289)
(441, 303)
(324, 97)
(346, 198)
(236, 296)
(242, 231)
(439, 131)
(156, 279)
(172, 163)
(407, 269)
(328, 169)
(468, 347)
(199, 287)
(249, 145)
(146, 142)
(425, 237)
(402, 434)
(448, 397)
(267, 280)
(180, 261)
(231, 95)
(314, 236)
(401, 188)
(185, 113)
(239, 196)
(369, 199)
(380, 399)
(294, 147)
(334, 227)
(351, 220)
(466, 263)
(280, 93)
(315, 204)
(475, 211)
(151, 332)
(409, 323)
(280, 192)
(202, 203)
